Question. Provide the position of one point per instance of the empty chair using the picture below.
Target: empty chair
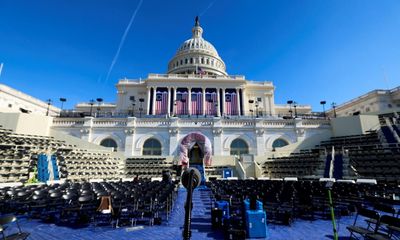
(8, 219)
(383, 208)
(361, 229)
(104, 212)
(389, 226)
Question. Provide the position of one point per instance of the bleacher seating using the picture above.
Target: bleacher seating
(19, 157)
(367, 156)
(80, 164)
(351, 141)
(382, 163)
(304, 163)
(148, 167)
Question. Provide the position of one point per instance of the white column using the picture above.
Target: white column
(169, 102)
(203, 109)
(245, 102)
(189, 101)
(269, 105)
(218, 104)
(153, 110)
(223, 101)
(148, 100)
(174, 102)
(239, 99)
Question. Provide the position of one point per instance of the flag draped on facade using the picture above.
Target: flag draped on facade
(197, 103)
(161, 102)
(182, 103)
(211, 103)
(231, 103)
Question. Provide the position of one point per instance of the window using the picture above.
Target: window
(259, 99)
(279, 143)
(239, 147)
(390, 105)
(181, 61)
(191, 60)
(186, 61)
(152, 147)
(108, 142)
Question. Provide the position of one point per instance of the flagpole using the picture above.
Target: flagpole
(1, 68)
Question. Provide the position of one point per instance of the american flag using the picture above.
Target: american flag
(197, 103)
(161, 103)
(181, 103)
(200, 70)
(231, 103)
(211, 100)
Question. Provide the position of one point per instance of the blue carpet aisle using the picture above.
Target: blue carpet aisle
(172, 230)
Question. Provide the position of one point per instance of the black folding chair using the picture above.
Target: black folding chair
(5, 220)
(389, 227)
(383, 208)
(360, 229)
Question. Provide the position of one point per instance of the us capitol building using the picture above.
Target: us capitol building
(196, 101)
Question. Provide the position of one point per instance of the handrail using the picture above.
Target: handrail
(240, 169)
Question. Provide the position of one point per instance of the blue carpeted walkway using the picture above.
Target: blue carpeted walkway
(201, 226)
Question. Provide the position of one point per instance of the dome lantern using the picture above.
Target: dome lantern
(197, 30)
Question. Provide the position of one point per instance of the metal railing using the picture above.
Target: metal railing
(142, 114)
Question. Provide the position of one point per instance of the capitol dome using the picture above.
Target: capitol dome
(197, 56)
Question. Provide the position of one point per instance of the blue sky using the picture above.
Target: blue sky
(312, 50)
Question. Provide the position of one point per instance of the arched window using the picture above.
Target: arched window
(239, 147)
(108, 142)
(152, 147)
(279, 143)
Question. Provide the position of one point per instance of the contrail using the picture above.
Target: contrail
(208, 7)
(121, 43)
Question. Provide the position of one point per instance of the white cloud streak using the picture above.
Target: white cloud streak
(121, 43)
(208, 7)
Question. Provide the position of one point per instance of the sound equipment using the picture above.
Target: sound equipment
(191, 175)
(256, 224)
(224, 206)
(216, 218)
(191, 178)
(257, 205)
